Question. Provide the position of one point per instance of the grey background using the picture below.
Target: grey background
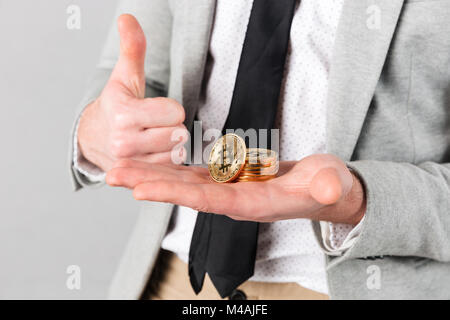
(44, 225)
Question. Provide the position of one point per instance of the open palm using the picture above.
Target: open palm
(301, 189)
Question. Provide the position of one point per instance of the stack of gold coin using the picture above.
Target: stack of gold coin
(260, 165)
(229, 160)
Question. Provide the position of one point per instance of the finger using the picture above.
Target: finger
(175, 157)
(155, 112)
(129, 69)
(286, 166)
(327, 186)
(155, 140)
(237, 218)
(243, 201)
(133, 163)
(202, 197)
(163, 139)
(161, 158)
(131, 177)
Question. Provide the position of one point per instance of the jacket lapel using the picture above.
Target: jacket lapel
(198, 19)
(359, 55)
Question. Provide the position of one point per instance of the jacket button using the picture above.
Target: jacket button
(238, 295)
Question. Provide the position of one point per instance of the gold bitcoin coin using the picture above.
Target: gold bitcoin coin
(251, 166)
(261, 156)
(270, 172)
(257, 174)
(254, 179)
(227, 158)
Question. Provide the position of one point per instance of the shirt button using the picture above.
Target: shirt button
(238, 295)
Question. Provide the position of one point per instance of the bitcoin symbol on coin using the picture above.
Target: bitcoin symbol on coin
(224, 167)
(227, 158)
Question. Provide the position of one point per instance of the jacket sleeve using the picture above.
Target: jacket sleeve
(408, 210)
(155, 18)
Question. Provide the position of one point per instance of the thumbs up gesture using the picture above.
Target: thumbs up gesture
(122, 123)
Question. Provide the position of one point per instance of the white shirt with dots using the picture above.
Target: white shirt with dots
(287, 250)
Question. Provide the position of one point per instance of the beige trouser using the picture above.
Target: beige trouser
(173, 284)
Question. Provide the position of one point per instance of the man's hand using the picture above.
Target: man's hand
(121, 123)
(319, 187)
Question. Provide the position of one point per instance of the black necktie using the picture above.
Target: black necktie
(223, 247)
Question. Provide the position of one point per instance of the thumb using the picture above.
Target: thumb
(329, 185)
(129, 69)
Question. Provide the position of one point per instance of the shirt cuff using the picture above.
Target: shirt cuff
(338, 237)
(92, 173)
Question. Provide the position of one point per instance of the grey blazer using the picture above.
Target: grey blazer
(388, 117)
